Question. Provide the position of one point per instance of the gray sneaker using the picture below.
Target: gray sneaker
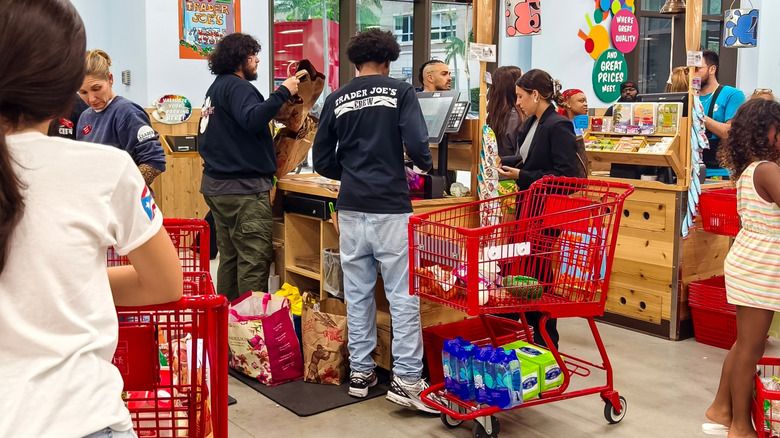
(408, 394)
(360, 382)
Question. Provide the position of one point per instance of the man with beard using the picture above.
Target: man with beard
(435, 76)
(239, 163)
(720, 103)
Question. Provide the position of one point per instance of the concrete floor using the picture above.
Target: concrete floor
(667, 384)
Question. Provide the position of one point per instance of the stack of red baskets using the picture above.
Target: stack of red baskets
(714, 319)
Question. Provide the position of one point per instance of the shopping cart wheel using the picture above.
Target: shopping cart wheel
(611, 415)
(488, 430)
(449, 421)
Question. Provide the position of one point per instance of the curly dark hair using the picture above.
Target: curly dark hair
(748, 139)
(231, 52)
(373, 45)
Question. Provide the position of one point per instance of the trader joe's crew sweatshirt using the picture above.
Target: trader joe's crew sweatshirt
(363, 129)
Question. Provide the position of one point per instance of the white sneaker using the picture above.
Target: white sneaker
(408, 395)
(360, 382)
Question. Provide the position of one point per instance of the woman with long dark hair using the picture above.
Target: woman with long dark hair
(502, 115)
(546, 146)
(62, 204)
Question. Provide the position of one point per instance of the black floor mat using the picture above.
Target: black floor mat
(305, 399)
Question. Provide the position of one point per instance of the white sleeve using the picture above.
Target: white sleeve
(135, 217)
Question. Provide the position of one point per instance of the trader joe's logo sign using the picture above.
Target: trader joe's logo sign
(609, 72)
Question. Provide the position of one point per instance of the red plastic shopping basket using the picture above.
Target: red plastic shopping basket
(714, 319)
(766, 401)
(547, 248)
(718, 210)
(173, 359)
(190, 237)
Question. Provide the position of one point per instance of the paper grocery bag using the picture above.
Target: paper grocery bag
(324, 334)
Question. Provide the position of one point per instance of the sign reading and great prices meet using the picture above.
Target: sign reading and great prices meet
(625, 31)
(609, 71)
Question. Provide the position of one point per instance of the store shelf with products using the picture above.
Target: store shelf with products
(653, 263)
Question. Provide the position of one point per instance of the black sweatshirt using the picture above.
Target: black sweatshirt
(234, 139)
(363, 129)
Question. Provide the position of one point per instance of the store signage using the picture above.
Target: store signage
(482, 52)
(523, 17)
(740, 28)
(203, 23)
(171, 109)
(625, 31)
(609, 71)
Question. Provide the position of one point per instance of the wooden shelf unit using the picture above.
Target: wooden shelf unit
(305, 238)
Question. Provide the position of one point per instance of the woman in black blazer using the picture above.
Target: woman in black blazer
(547, 146)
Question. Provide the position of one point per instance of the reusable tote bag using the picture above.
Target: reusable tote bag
(262, 339)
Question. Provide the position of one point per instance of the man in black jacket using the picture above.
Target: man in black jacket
(239, 163)
(371, 119)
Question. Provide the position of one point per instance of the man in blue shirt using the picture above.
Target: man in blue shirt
(720, 103)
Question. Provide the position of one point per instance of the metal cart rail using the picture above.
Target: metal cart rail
(547, 249)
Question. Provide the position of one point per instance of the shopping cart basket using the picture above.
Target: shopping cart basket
(193, 250)
(173, 359)
(548, 249)
(766, 401)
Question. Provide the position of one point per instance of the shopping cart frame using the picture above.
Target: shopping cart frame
(203, 312)
(184, 233)
(535, 214)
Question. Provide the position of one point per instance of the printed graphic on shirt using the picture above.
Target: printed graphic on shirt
(205, 111)
(86, 130)
(145, 133)
(361, 99)
(66, 127)
(147, 202)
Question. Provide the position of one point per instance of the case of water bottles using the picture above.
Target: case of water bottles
(559, 238)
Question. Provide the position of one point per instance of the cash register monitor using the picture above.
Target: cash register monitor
(436, 108)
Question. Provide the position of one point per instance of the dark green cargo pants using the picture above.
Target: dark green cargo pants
(244, 227)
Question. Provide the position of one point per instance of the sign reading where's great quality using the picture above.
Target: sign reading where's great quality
(625, 31)
(609, 71)
(171, 109)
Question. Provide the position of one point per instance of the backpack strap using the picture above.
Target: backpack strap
(711, 110)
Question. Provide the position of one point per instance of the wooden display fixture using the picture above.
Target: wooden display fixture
(653, 264)
(177, 190)
(305, 239)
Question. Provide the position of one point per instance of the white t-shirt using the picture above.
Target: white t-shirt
(58, 324)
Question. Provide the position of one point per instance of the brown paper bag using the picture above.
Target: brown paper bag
(292, 147)
(324, 336)
(293, 113)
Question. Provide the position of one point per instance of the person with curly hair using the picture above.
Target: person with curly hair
(678, 81)
(503, 116)
(751, 151)
(363, 129)
(116, 121)
(239, 163)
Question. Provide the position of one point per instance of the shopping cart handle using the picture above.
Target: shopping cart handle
(185, 302)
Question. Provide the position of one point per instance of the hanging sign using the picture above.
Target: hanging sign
(609, 71)
(203, 23)
(740, 28)
(523, 17)
(625, 31)
(171, 109)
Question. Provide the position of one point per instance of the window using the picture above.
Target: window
(443, 24)
(404, 28)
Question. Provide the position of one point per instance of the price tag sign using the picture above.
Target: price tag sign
(581, 122)
(695, 59)
(482, 52)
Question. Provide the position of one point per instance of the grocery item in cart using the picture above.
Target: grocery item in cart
(483, 374)
(464, 377)
(771, 407)
(550, 374)
(520, 286)
(507, 391)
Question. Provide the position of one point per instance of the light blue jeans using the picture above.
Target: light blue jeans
(367, 239)
(110, 433)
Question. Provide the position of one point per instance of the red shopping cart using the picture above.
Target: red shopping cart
(173, 359)
(766, 399)
(548, 249)
(191, 239)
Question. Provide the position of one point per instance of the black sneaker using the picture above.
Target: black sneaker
(360, 382)
(408, 395)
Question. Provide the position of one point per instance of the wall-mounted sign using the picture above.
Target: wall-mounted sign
(740, 28)
(203, 23)
(597, 39)
(609, 71)
(482, 52)
(523, 17)
(171, 109)
(625, 31)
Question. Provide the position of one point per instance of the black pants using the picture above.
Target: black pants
(533, 319)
